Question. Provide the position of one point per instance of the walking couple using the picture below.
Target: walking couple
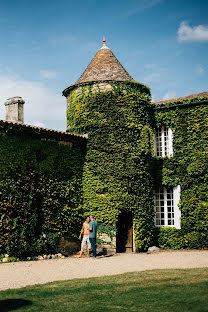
(89, 231)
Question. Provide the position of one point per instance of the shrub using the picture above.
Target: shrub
(195, 240)
(172, 238)
(108, 230)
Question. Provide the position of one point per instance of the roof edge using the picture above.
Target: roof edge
(74, 85)
(182, 98)
(180, 105)
(66, 135)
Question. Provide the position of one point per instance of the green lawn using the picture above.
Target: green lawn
(157, 290)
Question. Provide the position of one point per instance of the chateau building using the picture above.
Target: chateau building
(138, 165)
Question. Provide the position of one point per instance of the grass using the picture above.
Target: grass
(156, 290)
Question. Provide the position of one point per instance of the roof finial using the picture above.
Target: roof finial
(104, 41)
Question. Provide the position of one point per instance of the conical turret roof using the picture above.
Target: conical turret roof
(104, 66)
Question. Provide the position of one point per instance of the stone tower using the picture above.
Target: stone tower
(115, 112)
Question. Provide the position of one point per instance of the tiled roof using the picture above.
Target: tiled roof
(55, 133)
(188, 97)
(103, 67)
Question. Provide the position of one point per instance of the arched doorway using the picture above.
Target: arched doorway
(124, 237)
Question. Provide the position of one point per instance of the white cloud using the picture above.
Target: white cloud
(48, 74)
(200, 69)
(169, 95)
(42, 105)
(39, 124)
(188, 33)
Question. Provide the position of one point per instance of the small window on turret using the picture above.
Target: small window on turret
(163, 142)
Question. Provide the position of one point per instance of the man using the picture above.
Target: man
(85, 240)
(92, 234)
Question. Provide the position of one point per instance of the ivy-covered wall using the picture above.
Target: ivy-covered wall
(188, 168)
(48, 181)
(121, 173)
(117, 172)
(40, 187)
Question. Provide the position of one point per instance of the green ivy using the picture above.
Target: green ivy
(47, 187)
(117, 170)
(189, 168)
(40, 190)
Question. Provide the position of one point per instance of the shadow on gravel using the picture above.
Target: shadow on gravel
(13, 304)
(103, 256)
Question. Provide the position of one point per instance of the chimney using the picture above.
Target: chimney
(15, 109)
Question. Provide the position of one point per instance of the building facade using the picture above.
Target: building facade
(140, 167)
(140, 156)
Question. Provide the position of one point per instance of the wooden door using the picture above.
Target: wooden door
(124, 237)
(129, 241)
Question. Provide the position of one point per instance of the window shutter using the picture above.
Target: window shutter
(170, 139)
(177, 212)
(155, 144)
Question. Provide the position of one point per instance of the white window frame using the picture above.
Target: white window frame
(166, 142)
(173, 206)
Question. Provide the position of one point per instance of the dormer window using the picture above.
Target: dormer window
(163, 142)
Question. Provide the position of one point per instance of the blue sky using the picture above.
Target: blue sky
(46, 45)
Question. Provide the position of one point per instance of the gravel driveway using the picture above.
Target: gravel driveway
(21, 274)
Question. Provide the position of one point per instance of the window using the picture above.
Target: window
(163, 142)
(166, 207)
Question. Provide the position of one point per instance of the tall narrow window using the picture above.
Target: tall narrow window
(167, 212)
(170, 207)
(159, 206)
(163, 142)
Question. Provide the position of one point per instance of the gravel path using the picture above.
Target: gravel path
(21, 274)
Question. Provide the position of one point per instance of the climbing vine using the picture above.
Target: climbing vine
(116, 173)
(47, 187)
(40, 190)
(188, 168)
